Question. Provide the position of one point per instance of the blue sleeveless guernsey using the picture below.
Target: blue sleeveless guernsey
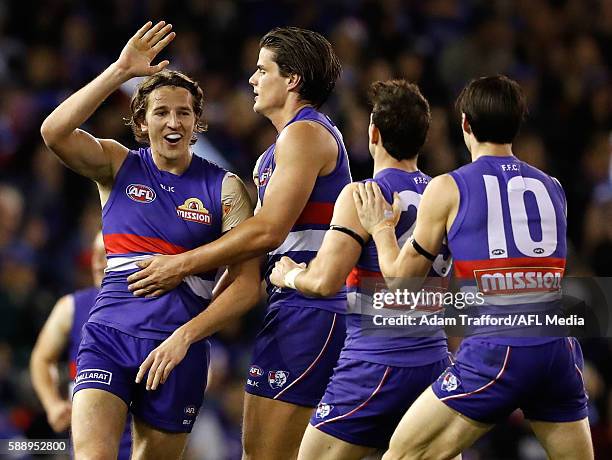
(155, 212)
(306, 236)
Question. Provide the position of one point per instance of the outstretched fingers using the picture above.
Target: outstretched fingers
(140, 33)
(161, 44)
(160, 34)
(148, 36)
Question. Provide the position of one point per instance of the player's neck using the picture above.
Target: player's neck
(383, 160)
(284, 115)
(172, 165)
(480, 149)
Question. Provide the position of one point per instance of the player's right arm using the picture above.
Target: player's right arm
(304, 150)
(49, 346)
(339, 252)
(100, 159)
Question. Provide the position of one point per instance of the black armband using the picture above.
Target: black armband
(349, 232)
(418, 248)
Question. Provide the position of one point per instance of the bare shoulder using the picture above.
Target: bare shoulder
(116, 153)
(306, 136)
(443, 188)
(440, 200)
(63, 313)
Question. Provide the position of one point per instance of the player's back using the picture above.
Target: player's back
(379, 343)
(509, 238)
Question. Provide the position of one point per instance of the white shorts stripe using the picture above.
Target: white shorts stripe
(362, 405)
(316, 360)
(484, 387)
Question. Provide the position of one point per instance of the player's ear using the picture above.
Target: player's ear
(374, 133)
(465, 124)
(294, 81)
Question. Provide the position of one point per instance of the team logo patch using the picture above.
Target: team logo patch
(450, 382)
(323, 410)
(255, 371)
(140, 193)
(264, 177)
(277, 379)
(193, 210)
(93, 376)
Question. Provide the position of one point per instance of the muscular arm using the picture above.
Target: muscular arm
(304, 150)
(100, 159)
(327, 272)
(435, 215)
(49, 346)
(97, 159)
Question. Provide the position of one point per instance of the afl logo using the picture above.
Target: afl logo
(497, 252)
(255, 371)
(140, 193)
(538, 250)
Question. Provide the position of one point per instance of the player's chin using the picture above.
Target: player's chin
(257, 107)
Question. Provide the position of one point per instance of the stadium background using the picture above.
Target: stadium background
(559, 50)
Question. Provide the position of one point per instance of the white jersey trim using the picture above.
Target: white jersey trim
(304, 240)
(201, 288)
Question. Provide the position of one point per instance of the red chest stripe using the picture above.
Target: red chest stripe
(123, 243)
(354, 278)
(316, 213)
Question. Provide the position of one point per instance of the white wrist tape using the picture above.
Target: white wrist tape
(291, 276)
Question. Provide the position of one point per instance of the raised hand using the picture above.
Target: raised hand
(373, 210)
(138, 54)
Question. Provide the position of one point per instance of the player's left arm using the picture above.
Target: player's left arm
(241, 295)
(435, 215)
(339, 252)
(50, 345)
(236, 292)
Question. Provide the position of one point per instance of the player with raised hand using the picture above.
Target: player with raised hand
(299, 178)
(503, 219)
(156, 200)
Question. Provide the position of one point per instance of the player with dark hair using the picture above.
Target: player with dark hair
(156, 200)
(503, 219)
(62, 331)
(379, 373)
(299, 178)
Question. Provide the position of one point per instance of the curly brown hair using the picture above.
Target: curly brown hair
(401, 114)
(140, 101)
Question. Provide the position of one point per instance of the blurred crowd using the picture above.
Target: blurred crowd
(559, 50)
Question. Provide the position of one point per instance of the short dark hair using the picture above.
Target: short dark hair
(140, 101)
(401, 114)
(494, 107)
(307, 54)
